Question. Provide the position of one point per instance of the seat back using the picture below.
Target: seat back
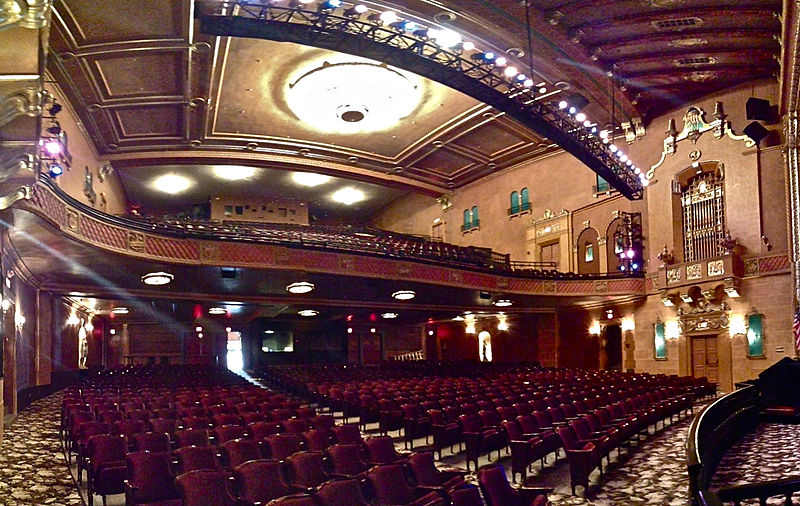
(106, 448)
(149, 474)
(260, 480)
(238, 451)
(390, 485)
(346, 459)
(348, 433)
(466, 495)
(280, 446)
(192, 458)
(424, 469)
(151, 441)
(495, 487)
(316, 440)
(381, 450)
(338, 493)
(228, 433)
(205, 488)
(192, 437)
(260, 430)
(306, 469)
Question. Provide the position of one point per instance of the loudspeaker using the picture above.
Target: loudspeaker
(485, 295)
(760, 109)
(755, 131)
(227, 272)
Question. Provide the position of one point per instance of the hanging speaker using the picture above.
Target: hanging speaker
(760, 109)
(755, 131)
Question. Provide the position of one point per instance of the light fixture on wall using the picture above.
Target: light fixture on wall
(73, 318)
(502, 322)
(19, 319)
(388, 316)
(627, 323)
(470, 321)
(594, 328)
(300, 287)
(672, 329)
(737, 325)
(157, 278)
(6, 304)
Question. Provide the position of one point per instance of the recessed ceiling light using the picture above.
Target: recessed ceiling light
(503, 303)
(458, 319)
(234, 172)
(171, 183)
(308, 312)
(404, 294)
(217, 310)
(157, 278)
(309, 178)
(389, 316)
(120, 310)
(348, 196)
(269, 331)
(300, 287)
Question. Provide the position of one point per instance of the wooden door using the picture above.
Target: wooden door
(705, 360)
(551, 253)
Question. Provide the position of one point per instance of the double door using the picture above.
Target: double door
(705, 359)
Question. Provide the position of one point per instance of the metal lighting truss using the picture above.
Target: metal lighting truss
(414, 51)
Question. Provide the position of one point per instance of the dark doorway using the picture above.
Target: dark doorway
(613, 338)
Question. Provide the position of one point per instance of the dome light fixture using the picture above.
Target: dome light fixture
(157, 278)
(217, 310)
(120, 310)
(171, 183)
(348, 196)
(300, 287)
(503, 303)
(404, 294)
(308, 312)
(309, 179)
(389, 316)
(234, 172)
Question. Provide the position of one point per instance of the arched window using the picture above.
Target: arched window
(524, 203)
(475, 221)
(467, 220)
(588, 257)
(514, 202)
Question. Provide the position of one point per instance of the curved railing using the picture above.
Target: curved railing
(359, 240)
(712, 432)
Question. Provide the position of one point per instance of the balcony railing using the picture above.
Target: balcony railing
(473, 225)
(522, 208)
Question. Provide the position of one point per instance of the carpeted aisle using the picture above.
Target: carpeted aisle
(32, 466)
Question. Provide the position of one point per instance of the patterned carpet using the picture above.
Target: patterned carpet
(32, 466)
(767, 453)
(33, 470)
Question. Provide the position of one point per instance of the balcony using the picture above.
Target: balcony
(469, 227)
(523, 208)
(700, 271)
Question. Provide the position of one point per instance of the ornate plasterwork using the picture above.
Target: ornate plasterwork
(694, 126)
(24, 13)
(24, 102)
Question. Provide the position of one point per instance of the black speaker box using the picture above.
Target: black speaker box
(761, 110)
(755, 131)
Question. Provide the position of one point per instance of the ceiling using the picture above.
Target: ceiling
(154, 92)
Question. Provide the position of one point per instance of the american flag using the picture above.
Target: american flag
(796, 329)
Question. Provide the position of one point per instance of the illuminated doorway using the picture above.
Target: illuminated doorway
(485, 346)
(234, 357)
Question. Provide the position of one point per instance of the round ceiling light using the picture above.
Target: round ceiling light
(308, 312)
(300, 287)
(353, 97)
(309, 178)
(234, 172)
(157, 278)
(120, 310)
(389, 316)
(171, 183)
(503, 303)
(404, 294)
(348, 196)
(217, 310)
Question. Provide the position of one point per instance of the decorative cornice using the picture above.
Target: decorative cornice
(24, 102)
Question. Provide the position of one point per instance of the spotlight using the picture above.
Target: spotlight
(578, 101)
(563, 104)
(572, 109)
(510, 71)
(54, 109)
(54, 129)
(542, 89)
(330, 5)
(468, 46)
(528, 83)
(487, 57)
(587, 123)
(355, 11)
(52, 147)
(387, 17)
(445, 37)
(408, 26)
(56, 170)
(612, 148)
(501, 62)
(603, 134)
(580, 117)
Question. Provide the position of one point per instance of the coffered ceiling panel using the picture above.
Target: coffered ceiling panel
(140, 74)
(491, 140)
(94, 22)
(446, 162)
(150, 121)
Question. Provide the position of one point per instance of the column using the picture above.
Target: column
(124, 345)
(792, 160)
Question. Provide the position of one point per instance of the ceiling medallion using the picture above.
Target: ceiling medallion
(353, 97)
(700, 76)
(688, 42)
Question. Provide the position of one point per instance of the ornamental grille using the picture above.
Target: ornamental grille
(703, 205)
(677, 23)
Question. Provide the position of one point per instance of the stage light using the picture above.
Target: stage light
(54, 109)
(54, 129)
(501, 62)
(468, 46)
(330, 4)
(542, 89)
(487, 57)
(388, 17)
(53, 148)
(563, 104)
(612, 148)
(528, 83)
(603, 134)
(572, 109)
(356, 11)
(510, 71)
(445, 37)
(580, 117)
(56, 170)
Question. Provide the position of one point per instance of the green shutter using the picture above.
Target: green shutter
(755, 341)
(660, 342)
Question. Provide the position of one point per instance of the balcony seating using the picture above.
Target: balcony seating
(498, 492)
(467, 495)
(280, 446)
(193, 458)
(205, 488)
(150, 481)
(316, 440)
(192, 437)
(524, 450)
(446, 432)
(423, 470)
(151, 441)
(381, 450)
(415, 424)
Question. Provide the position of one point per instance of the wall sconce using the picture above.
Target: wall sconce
(595, 329)
(6, 304)
(502, 322)
(671, 329)
(73, 318)
(685, 297)
(731, 289)
(737, 325)
(19, 320)
(470, 322)
(627, 323)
